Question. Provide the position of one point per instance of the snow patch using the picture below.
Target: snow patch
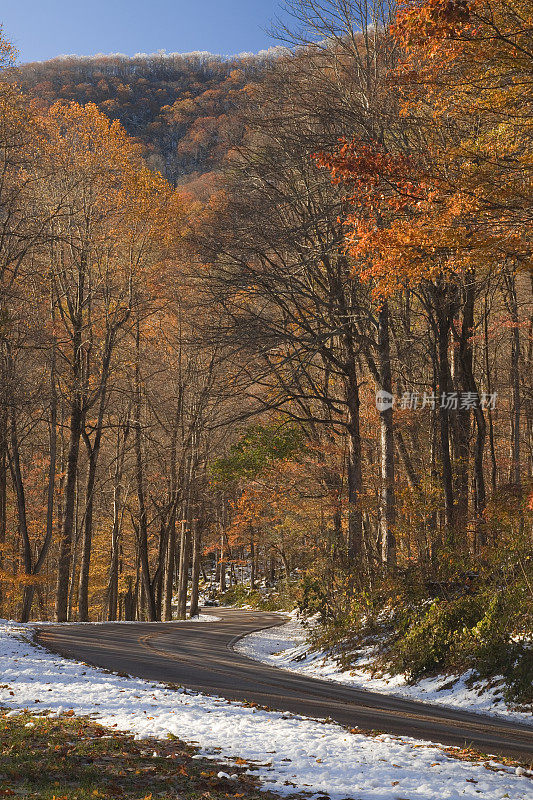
(288, 752)
(287, 647)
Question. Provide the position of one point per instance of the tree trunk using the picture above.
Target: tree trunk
(488, 378)
(76, 428)
(69, 508)
(112, 585)
(183, 581)
(142, 527)
(170, 554)
(272, 568)
(168, 574)
(444, 323)
(29, 591)
(129, 601)
(112, 588)
(468, 384)
(18, 485)
(410, 473)
(157, 581)
(252, 561)
(222, 563)
(3, 492)
(480, 499)
(387, 516)
(286, 565)
(514, 378)
(462, 421)
(195, 571)
(355, 481)
(93, 452)
(86, 542)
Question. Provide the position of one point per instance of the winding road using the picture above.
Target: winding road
(200, 657)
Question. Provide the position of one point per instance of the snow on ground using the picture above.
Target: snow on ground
(288, 752)
(287, 647)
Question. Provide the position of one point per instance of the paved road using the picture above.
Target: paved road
(200, 657)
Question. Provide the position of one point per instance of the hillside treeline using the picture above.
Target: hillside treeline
(182, 108)
(315, 381)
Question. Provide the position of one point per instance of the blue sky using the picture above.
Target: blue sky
(42, 29)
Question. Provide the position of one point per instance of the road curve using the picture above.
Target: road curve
(200, 657)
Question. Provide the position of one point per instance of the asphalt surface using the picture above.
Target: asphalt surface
(200, 657)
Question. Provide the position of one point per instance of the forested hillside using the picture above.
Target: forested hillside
(183, 108)
(309, 385)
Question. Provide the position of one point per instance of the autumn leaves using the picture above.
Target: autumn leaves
(88, 230)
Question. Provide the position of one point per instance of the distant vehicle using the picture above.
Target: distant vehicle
(210, 602)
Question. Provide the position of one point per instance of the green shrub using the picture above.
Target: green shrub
(474, 632)
(240, 595)
(284, 597)
(430, 636)
(519, 675)
(314, 597)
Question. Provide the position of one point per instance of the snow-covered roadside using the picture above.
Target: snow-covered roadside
(288, 752)
(286, 647)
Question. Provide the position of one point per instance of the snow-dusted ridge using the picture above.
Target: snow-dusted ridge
(286, 647)
(276, 51)
(288, 752)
